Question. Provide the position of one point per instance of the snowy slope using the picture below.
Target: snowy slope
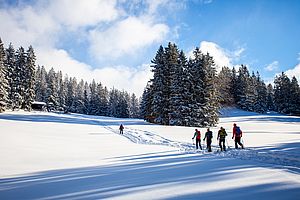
(57, 156)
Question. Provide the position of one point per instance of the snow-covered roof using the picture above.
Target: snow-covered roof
(39, 103)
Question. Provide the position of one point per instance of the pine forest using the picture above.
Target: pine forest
(183, 91)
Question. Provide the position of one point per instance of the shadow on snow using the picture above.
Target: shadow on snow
(72, 119)
(150, 178)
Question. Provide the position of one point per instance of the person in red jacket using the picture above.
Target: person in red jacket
(237, 134)
(197, 134)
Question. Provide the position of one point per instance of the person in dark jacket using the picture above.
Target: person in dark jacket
(121, 129)
(197, 134)
(221, 137)
(237, 135)
(208, 137)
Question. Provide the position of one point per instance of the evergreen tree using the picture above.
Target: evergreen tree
(295, 97)
(41, 84)
(29, 81)
(79, 98)
(86, 98)
(103, 100)
(211, 101)
(196, 79)
(175, 81)
(71, 95)
(10, 63)
(160, 100)
(224, 86)
(52, 90)
(62, 91)
(261, 105)
(183, 111)
(243, 88)
(146, 104)
(270, 98)
(234, 88)
(134, 106)
(3, 79)
(18, 77)
(93, 98)
(282, 94)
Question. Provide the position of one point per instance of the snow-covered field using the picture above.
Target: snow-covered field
(58, 156)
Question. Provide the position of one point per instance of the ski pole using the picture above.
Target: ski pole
(243, 142)
(228, 147)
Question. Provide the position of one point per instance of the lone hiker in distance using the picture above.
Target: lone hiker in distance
(121, 129)
(221, 137)
(237, 134)
(197, 134)
(208, 137)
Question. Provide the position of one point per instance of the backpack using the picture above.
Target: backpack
(223, 133)
(238, 131)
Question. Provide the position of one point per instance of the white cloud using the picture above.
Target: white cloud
(222, 57)
(77, 13)
(132, 80)
(109, 31)
(272, 66)
(28, 26)
(294, 72)
(126, 37)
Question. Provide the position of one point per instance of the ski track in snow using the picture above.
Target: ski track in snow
(281, 160)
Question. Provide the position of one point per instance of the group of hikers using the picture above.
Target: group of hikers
(236, 135)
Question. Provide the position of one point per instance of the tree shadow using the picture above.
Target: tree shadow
(146, 175)
(72, 119)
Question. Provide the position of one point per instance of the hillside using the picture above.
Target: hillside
(58, 156)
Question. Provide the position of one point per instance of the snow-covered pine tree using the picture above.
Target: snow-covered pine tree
(79, 98)
(86, 99)
(10, 63)
(270, 98)
(242, 88)
(175, 83)
(102, 99)
(262, 95)
(251, 93)
(29, 81)
(134, 106)
(52, 90)
(196, 79)
(183, 110)
(224, 86)
(122, 106)
(18, 77)
(158, 83)
(3, 79)
(41, 84)
(282, 94)
(234, 90)
(62, 91)
(146, 103)
(113, 102)
(93, 98)
(295, 97)
(71, 94)
(211, 102)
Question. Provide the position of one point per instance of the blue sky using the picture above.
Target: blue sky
(113, 41)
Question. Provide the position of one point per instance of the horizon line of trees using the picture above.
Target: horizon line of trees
(22, 83)
(182, 92)
(190, 92)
